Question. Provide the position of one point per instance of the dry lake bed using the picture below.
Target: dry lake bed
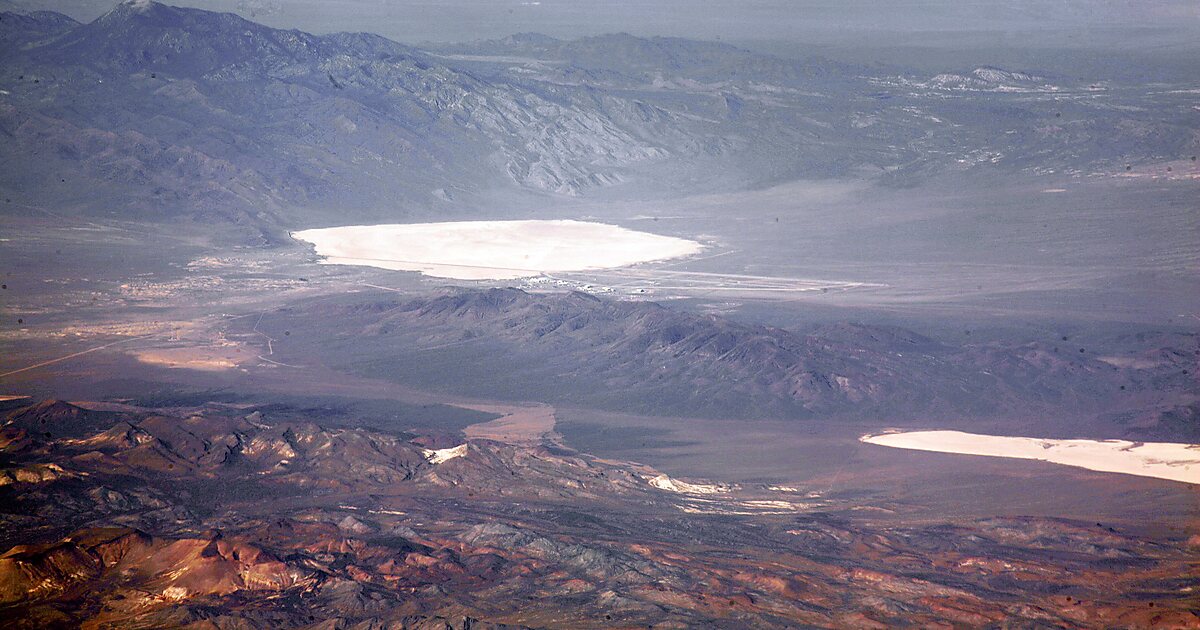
(493, 250)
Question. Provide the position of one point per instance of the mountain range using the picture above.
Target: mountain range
(224, 518)
(166, 113)
(576, 348)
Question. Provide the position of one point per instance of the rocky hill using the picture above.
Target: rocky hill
(645, 357)
(227, 520)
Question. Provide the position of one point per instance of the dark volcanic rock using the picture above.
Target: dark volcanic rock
(527, 535)
(55, 419)
(643, 356)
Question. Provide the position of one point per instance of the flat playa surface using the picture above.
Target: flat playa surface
(517, 424)
(493, 250)
(1164, 460)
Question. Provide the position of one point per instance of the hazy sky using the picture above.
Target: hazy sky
(456, 20)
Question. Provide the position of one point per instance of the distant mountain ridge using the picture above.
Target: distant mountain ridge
(987, 77)
(349, 114)
(21, 29)
(154, 112)
(638, 58)
(148, 36)
(645, 357)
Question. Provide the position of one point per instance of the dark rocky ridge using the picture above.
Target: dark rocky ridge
(642, 356)
(18, 30)
(291, 532)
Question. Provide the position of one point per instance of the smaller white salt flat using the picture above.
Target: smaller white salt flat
(1164, 460)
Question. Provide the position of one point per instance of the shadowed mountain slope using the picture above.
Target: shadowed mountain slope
(645, 357)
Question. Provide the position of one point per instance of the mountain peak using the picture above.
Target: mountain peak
(138, 5)
(138, 35)
(159, 14)
(129, 8)
(529, 37)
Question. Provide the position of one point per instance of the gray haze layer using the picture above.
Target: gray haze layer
(1018, 22)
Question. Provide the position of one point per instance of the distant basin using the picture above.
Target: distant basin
(493, 250)
(1164, 460)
